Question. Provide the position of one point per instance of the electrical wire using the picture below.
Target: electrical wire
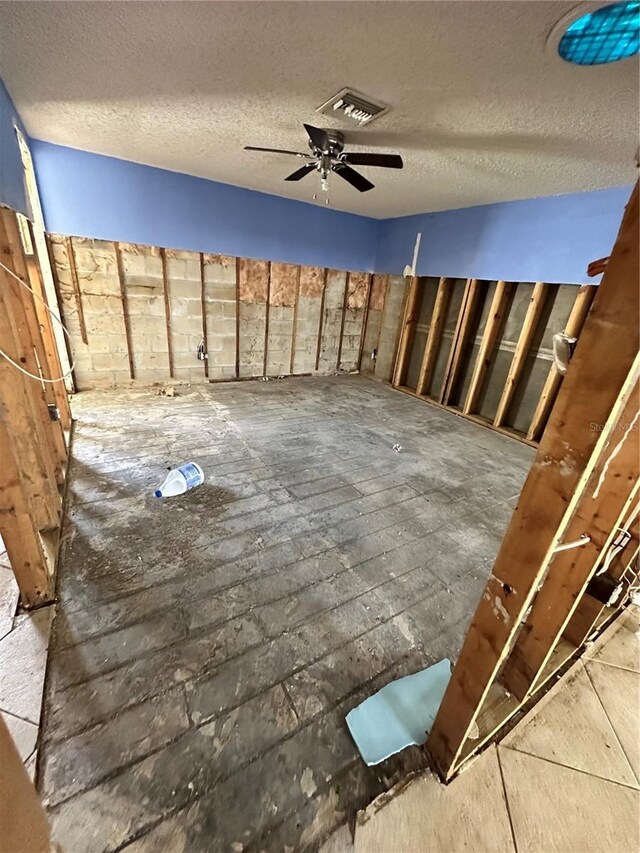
(59, 322)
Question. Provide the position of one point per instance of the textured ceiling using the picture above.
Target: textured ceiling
(482, 108)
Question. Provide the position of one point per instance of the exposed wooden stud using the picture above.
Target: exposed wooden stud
(37, 361)
(552, 384)
(462, 338)
(495, 323)
(407, 331)
(384, 307)
(266, 321)
(345, 298)
(203, 309)
(76, 289)
(49, 338)
(593, 391)
(365, 319)
(167, 308)
(70, 381)
(294, 323)
(321, 320)
(125, 307)
(22, 399)
(238, 270)
(589, 610)
(434, 336)
(19, 531)
(529, 327)
(609, 493)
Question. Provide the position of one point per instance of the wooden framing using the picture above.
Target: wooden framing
(466, 368)
(461, 338)
(238, 262)
(203, 308)
(167, 309)
(434, 336)
(76, 288)
(294, 322)
(531, 320)
(493, 330)
(345, 298)
(363, 330)
(321, 319)
(575, 468)
(33, 444)
(550, 391)
(125, 309)
(407, 330)
(265, 349)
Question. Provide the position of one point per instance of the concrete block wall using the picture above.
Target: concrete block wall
(147, 309)
(354, 317)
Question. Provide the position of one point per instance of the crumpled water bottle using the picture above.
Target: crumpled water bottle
(180, 480)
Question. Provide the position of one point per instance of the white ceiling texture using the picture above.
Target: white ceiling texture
(482, 108)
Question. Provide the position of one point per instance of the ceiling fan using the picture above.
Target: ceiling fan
(327, 156)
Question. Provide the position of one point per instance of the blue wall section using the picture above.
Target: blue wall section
(92, 195)
(12, 190)
(544, 239)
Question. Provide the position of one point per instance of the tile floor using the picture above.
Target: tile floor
(24, 641)
(566, 779)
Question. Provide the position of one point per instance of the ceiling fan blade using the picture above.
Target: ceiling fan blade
(318, 137)
(301, 172)
(352, 177)
(275, 151)
(387, 161)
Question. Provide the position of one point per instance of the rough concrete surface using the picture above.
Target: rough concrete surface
(207, 647)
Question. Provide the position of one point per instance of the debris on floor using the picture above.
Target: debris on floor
(397, 448)
(166, 391)
(400, 714)
(180, 480)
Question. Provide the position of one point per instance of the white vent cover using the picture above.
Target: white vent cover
(352, 106)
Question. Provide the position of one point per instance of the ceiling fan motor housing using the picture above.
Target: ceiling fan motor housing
(336, 143)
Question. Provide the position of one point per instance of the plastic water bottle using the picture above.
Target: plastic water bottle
(180, 480)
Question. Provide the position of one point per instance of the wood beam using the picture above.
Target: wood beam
(27, 554)
(498, 312)
(603, 507)
(124, 301)
(529, 327)
(553, 381)
(76, 288)
(562, 466)
(409, 320)
(167, 308)
(321, 319)
(49, 341)
(365, 319)
(434, 336)
(294, 322)
(345, 299)
(462, 338)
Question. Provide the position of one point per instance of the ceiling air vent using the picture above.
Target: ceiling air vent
(352, 106)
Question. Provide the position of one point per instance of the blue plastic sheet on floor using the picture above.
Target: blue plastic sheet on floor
(400, 714)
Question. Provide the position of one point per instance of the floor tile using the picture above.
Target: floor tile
(558, 810)
(24, 734)
(569, 726)
(623, 648)
(468, 814)
(619, 691)
(23, 660)
(9, 595)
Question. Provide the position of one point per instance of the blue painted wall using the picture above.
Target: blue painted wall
(96, 196)
(545, 239)
(12, 190)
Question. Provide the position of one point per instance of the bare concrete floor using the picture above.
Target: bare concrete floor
(207, 648)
